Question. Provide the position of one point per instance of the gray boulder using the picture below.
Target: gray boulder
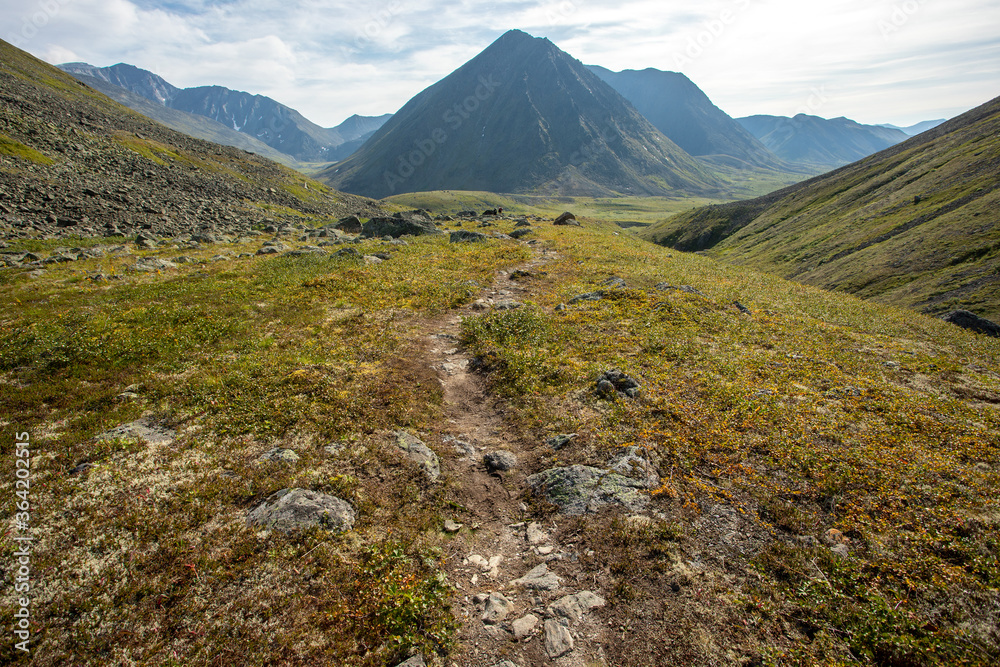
(464, 236)
(396, 227)
(500, 460)
(579, 489)
(351, 225)
(289, 510)
(144, 430)
(567, 219)
(558, 640)
(616, 382)
(418, 452)
(972, 322)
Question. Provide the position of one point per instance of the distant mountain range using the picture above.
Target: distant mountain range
(273, 124)
(914, 130)
(522, 116)
(914, 225)
(681, 111)
(819, 141)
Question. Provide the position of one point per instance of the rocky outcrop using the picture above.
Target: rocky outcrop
(290, 510)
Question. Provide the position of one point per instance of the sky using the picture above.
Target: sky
(874, 61)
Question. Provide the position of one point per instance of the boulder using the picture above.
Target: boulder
(351, 225)
(279, 455)
(396, 227)
(573, 607)
(580, 489)
(289, 510)
(972, 322)
(465, 236)
(567, 219)
(500, 461)
(614, 382)
(540, 579)
(418, 452)
(498, 608)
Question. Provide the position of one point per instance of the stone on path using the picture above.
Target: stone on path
(573, 607)
(580, 489)
(500, 461)
(535, 534)
(498, 607)
(558, 640)
(540, 579)
(418, 452)
(524, 626)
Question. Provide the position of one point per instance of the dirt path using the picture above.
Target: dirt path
(498, 543)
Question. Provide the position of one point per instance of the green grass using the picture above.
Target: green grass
(16, 149)
(140, 553)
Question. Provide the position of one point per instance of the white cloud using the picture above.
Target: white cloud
(875, 61)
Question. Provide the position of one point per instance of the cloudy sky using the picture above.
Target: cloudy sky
(876, 61)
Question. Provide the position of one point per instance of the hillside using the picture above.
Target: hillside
(914, 225)
(820, 141)
(521, 116)
(76, 163)
(454, 440)
(685, 114)
(255, 116)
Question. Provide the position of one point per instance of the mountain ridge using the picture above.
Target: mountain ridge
(914, 223)
(266, 120)
(520, 116)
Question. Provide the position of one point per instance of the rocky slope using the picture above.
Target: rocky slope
(521, 116)
(74, 162)
(915, 224)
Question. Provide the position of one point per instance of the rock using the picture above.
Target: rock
(506, 663)
(573, 607)
(525, 626)
(615, 283)
(566, 219)
(521, 233)
(498, 607)
(631, 463)
(415, 661)
(350, 225)
(664, 287)
(465, 236)
(152, 264)
(614, 381)
(579, 489)
(500, 460)
(743, 309)
(451, 526)
(557, 442)
(396, 227)
(558, 640)
(522, 223)
(279, 455)
(419, 453)
(535, 534)
(589, 296)
(972, 322)
(269, 250)
(540, 579)
(289, 510)
(141, 430)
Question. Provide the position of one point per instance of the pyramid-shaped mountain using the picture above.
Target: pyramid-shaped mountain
(683, 112)
(522, 116)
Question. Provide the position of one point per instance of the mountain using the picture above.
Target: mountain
(814, 140)
(914, 130)
(182, 121)
(131, 78)
(257, 116)
(74, 162)
(521, 116)
(915, 224)
(685, 114)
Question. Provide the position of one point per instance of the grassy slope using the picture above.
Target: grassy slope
(915, 225)
(821, 411)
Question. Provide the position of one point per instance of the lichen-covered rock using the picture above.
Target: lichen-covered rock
(289, 510)
(500, 461)
(579, 489)
(418, 452)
